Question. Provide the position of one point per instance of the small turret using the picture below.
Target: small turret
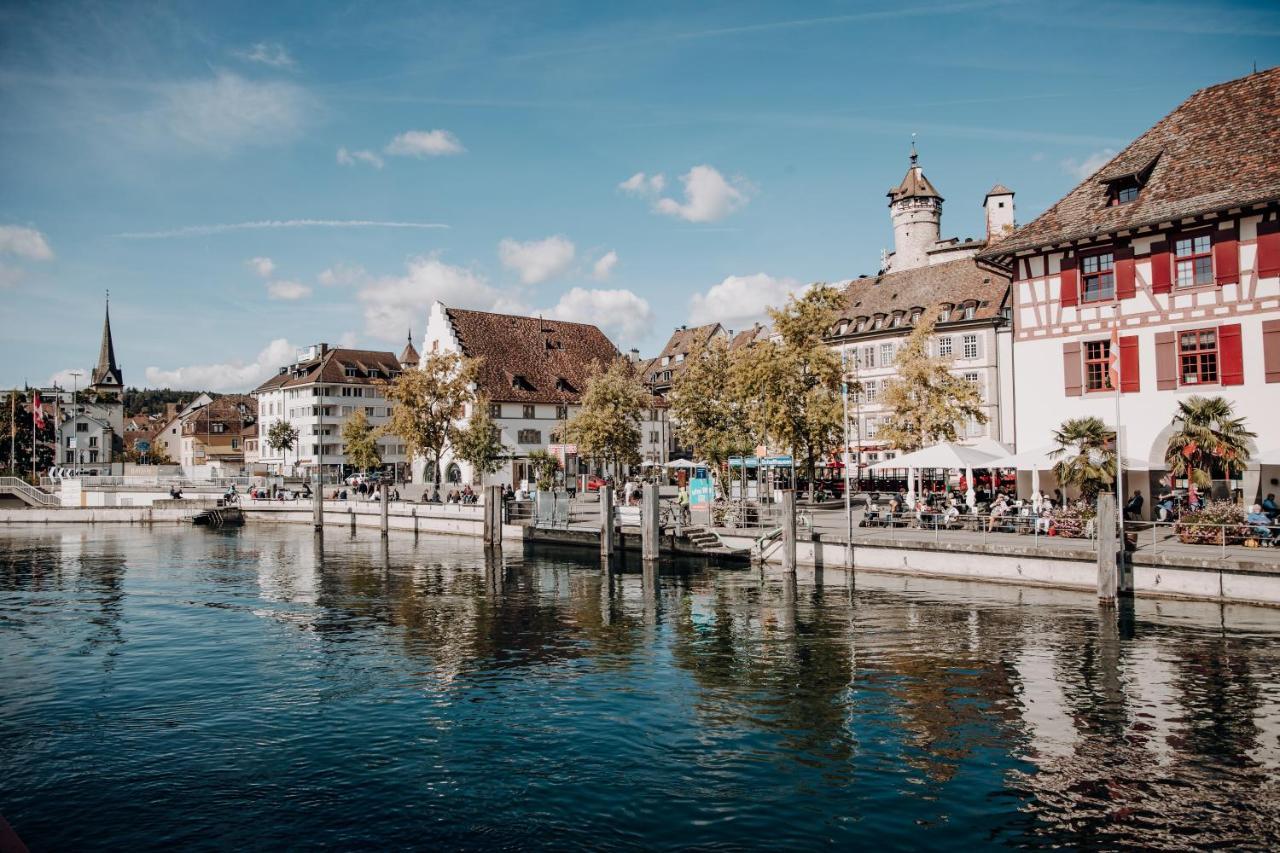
(409, 357)
(999, 206)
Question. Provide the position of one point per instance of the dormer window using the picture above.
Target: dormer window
(969, 311)
(944, 314)
(352, 372)
(564, 386)
(519, 383)
(679, 357)
(1123, 192)
(897, 319)
(915, 316)
(879, 322)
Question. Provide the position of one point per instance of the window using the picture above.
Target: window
(562, 413)
(368, 410)
(879, 322)
(869, 357)
(495, 410)
(679, 357)
(235, 444)
(1198, 356)
(653, 436)
(944, 346)
(897, 318)
(82, 427)
(351, 371)
(970, 343)
(1193, 261)
(528, 412)
(218, 428)
(945, 314)
(529, 436)
(869, 391)
(915, 317)
(1097, 366)
(969, 311)
(886, 354)
(666, 359)
(971, 378)
(1098, 272)
(871, 428)
(93, 441)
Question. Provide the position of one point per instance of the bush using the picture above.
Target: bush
(1071, 522)
(1206, 525)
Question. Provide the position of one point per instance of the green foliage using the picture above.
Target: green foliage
(152, 401)
(709, 416)
(361, 442)
(544, 465)
(480, 441)
(1208, 441)
(282, 436)
(1085, 456)
(1212, 522)
(20, 427)
(607, 427)
(929, 403)
(429, 404)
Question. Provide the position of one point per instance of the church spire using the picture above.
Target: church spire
(107, 372)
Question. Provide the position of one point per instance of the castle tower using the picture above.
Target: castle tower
(409, 357)
(999, 207)
(916, 210)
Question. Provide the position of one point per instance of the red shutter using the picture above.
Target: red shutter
(1130, 382)
(1166, 361)
(1069, 292)
(1161, 268)
(1072, 370)
(1124, 273)
(1230, 356)
(1268, 262)
(1271, 349)
(1226, 256)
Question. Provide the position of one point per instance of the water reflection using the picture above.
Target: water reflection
(560, 700)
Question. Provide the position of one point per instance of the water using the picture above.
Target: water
(223, 690)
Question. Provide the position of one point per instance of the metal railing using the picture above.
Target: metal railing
(16, 485)
(1198, 536)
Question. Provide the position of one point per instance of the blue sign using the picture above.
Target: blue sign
(142, 445)
(700, 490)
(784, 461)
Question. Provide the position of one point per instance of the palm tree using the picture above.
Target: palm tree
(1085, 456)
(1208, 441)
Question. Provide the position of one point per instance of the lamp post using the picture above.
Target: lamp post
(75, 417)
(846, 459)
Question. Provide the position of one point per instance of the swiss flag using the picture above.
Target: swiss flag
(37, 412)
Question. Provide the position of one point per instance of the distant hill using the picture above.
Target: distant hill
(151, 401)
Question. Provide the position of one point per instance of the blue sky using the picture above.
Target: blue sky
(635, 165)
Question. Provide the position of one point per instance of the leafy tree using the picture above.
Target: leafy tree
(282, 436)
(1085, 456)
(790, 388)
(544, 465)
(429, 404)
(361, 442)
(708, 415)
(608, 425)
(1209, 441)
(479, 443)
(16, 423)
(928, 402)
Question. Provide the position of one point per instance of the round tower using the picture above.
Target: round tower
(916, 210)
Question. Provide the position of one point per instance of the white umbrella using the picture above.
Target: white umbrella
(943, 455)
(680, 463)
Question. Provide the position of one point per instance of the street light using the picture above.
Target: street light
(75, 417)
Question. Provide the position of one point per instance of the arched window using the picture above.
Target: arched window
(453, 474)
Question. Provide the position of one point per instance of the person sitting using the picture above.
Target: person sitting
(1270, 508)
(999, 510)
(951, 515)
(1168, 503)
(1133, 506)
(1260, 523)
(435, 495)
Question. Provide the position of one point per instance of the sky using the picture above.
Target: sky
(250, 178)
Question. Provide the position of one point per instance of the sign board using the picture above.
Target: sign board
(562, 449)
(142, 445)
(784, 461)
(71, 442)
(701, 491)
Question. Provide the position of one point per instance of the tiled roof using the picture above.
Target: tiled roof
(531, 359)
(331, 368)
(224, 410)
(1220, 148)
(755, 333)
(409, 356)
(914, 185)
(951, 283)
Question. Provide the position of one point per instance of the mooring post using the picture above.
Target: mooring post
(606, 521)
(789, 530)
(351, 514)
(649, 543)
(317, 504)
(383, 498)
(493, 516)
(1108, 569)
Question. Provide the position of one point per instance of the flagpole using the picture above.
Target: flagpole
(1115, 342)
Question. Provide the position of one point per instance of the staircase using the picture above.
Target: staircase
(27, 493)
(708, 543)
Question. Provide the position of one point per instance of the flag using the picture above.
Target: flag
(37, 412)
(1113, 358)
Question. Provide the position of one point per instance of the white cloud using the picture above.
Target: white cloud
(425, 143)
(64, 379)
(644, 185)
(537, 260)
(268, 53)
(708, 196)
(603, 268)
(25, 243)
(620, 313)
(348, 340)
(228, 111)
(225, 228)
(288, 291)
(229, 376)
(1082, 169)
(741, 300)
(263, 267)
(350, 158)
(394, 303)
(341, 274)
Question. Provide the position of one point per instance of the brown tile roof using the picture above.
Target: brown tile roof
(952, 283)
(226, 410)
(1220, 148)
(914, 185)
(530, 359)
(409, 355)
(684, 341)
(331, 368)
(757, 332)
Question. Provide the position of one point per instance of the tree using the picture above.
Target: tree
(544, 465)
(429, 404)
(361, 442)
(708, 415)
(1208, 441)
(155, 453)
(1085, 455)
(282, 436)
(928, 402)
(790, 388)
(16, 423)
(479, 443)
(608, 425)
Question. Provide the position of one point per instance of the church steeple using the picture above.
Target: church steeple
(107, 373)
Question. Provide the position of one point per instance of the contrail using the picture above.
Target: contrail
(205, 230)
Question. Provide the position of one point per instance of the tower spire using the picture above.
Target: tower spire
(107, 372)
(914, 155)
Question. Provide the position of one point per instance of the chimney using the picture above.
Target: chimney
(634, 355)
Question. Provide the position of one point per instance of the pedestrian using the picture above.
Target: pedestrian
(1133, 507)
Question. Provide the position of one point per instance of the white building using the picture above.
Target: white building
(317, 394)
(1174, 245)
(533, 372)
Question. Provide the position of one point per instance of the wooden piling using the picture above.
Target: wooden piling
(606, 521)
(649, 530)
(317, 505)
(493, 516)
(789, 531)
(384, 509)
(1108, 568)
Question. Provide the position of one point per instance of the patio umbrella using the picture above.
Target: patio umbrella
(1040, 459)
(947, 455)
(680, 464)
